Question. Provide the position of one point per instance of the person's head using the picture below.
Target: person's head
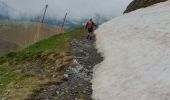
(91, 19)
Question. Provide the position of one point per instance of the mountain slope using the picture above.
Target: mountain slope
(137, 4)
(136, 49)
(23, 34)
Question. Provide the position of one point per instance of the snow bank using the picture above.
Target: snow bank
(136, 47)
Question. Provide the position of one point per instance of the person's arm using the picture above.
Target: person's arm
(86, 26)
(95, 25)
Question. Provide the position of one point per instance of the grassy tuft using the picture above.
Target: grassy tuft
(7, 75)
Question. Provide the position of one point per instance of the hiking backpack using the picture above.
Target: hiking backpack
(89, 24)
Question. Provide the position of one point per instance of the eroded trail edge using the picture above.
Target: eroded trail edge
(77, 84)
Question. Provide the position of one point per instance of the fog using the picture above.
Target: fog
(76, 9)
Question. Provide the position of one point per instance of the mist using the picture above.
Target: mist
(76, 9)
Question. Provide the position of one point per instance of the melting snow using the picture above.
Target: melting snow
(136, 47)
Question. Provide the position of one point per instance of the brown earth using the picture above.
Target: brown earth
(6, 47)
(137, 4)
(43, 69)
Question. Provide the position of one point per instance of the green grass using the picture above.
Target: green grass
(7, 75)
(19, 84)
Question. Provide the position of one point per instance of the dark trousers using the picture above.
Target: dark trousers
(90, 33)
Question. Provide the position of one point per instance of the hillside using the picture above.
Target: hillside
(22, 34)
(136, 50)
(24, 72)
(137, 4)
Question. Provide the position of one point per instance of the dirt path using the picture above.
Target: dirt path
(77, 85)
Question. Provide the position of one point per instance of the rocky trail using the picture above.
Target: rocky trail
(77, 84)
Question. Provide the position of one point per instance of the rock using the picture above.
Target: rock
(3, 98)
(18, 71)
(54, 75)
(80, 84)
(57, 92)
(62, 90)
(51, 56)
(136, 4)
(84, 91)
(61, 93)
(66, 91)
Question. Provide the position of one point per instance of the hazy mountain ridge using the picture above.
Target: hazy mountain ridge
(4, 10)
(5, 13)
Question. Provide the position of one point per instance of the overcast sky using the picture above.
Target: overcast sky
(76, 9)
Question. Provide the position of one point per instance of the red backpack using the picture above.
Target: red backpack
(89, 24)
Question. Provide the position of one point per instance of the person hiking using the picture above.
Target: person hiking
(90, 28)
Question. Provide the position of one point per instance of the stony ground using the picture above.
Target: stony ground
(77, 85)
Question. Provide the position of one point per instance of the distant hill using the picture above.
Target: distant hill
(4, 8)
(16, 36)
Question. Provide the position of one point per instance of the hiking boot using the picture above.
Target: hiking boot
(90, 38)
(87, 37)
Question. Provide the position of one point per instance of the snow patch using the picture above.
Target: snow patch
(136, 50)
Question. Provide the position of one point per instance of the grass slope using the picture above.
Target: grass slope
(56, 43)
(8, 75)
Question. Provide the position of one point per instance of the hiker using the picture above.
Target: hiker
(90, 27)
